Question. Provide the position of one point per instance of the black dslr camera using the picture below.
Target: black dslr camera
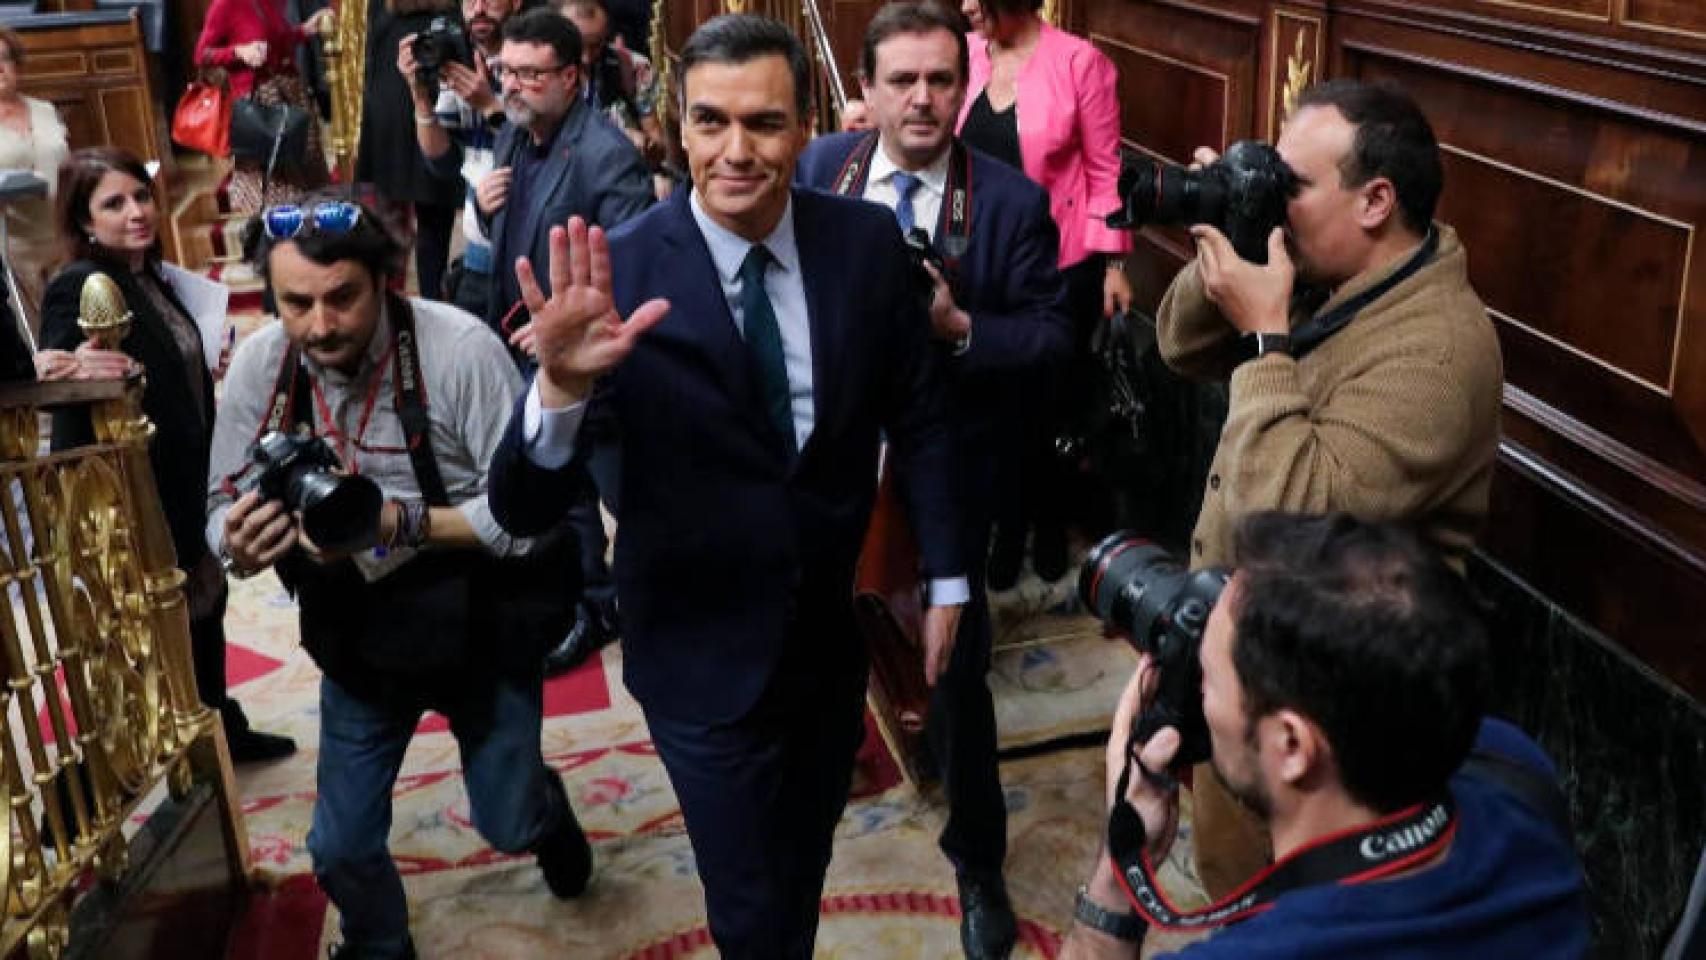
(443, 41)
(1243, 194)
(921, 251)
(340, 512)
(1162, 608)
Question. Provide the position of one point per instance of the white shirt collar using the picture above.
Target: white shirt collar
(729, 249)
(934, 177)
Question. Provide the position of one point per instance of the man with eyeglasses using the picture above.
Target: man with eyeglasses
(435, 606)
(558, 158)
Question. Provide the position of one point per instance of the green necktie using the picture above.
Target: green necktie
(764, 342)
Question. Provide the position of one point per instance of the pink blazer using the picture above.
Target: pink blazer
(1069, 136)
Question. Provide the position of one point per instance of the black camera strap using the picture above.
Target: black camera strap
(407, 382)
(1313, 332)
(953, 222)
(1391, 844)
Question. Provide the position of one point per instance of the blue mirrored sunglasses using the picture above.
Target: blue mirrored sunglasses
(287, 220)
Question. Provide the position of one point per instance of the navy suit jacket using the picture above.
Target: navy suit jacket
(592, 170)
(729, 549)
(1006, 279)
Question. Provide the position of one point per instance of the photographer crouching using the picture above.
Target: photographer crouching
(1337, 679)
(350, 453)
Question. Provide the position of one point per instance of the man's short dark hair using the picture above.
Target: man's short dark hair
(1363, 629)
(545, 26)
(737, 38)
(1393, 140)
(912, 17)
(369, 242)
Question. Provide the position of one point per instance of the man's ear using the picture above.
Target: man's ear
(1377, 204)
(1297, 749)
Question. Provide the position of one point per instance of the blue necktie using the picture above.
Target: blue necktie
(764, 342)
(905, 185)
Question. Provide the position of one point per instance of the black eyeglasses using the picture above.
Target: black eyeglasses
(527, 75)
(287, 220)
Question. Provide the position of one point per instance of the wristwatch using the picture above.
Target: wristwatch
(1253, 345)
(232, 568)
(1121, 926)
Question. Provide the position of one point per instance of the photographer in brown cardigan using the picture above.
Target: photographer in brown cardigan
(1365, 376)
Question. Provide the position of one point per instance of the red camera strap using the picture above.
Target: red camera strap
(1391, 844)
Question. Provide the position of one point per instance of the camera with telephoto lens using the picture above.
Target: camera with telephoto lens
(1243, 194)
(1162, 608)
(442, 42)
(339, 512)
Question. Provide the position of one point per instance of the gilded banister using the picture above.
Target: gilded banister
(94, 641)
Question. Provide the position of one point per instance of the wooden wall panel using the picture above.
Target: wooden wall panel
(1681, 18)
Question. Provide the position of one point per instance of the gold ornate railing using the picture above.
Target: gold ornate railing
(95, 648)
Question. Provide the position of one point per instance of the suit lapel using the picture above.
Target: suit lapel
(825, 300)
(703, 310)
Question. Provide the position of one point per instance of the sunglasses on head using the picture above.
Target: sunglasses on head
(288, 220)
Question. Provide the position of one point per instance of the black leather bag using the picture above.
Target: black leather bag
(273, 135)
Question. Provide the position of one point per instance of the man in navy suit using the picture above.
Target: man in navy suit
(555, 159)
(1000, 313)
(783, 334)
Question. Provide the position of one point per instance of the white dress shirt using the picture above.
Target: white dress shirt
(926, 200)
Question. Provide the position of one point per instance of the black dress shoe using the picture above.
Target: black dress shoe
(1006, 557)
(565, 856)
(1048, 552)
(595, 628)
(988, 928)
(253, 746)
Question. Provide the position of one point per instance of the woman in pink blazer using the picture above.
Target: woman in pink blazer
(1060, 93)
(1046, 102)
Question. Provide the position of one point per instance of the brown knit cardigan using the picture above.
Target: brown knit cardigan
(1394, 416)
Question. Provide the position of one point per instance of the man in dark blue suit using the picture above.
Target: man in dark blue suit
(782, 334)
(556, 158)
(1000, 311)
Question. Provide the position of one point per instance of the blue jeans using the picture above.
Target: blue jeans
(515, 798)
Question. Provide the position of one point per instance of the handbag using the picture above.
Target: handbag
(202, 121)
(274, 135)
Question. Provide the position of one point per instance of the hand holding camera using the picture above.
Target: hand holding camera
(1254, 298)
(1154, 795)
(294, 495)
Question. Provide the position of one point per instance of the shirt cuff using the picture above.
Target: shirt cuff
(949, 592)
(548, 436)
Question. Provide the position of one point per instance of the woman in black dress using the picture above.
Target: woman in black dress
(108, 219)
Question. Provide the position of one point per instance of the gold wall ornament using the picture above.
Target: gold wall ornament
(1050, 12)
(1298, 71)
(734, 6)
(102, 314)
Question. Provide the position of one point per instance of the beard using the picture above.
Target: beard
(517, 111)
(1253, 794)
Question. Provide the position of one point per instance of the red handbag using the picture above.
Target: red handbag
(203, 119)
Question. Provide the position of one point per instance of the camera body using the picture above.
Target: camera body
(339, 512)
(1162, 609)
(1243, 194)
(443, 41)
(920, 251)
